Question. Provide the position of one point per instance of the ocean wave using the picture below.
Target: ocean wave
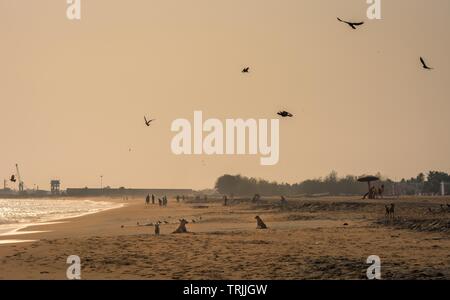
(16, 211)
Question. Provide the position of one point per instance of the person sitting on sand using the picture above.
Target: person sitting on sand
(182, 227)
(259, 223)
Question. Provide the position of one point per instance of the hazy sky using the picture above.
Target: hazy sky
(73, 93)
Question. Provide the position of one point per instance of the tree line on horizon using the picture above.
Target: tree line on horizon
(331, 184)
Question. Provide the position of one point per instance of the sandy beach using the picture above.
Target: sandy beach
(309, 238)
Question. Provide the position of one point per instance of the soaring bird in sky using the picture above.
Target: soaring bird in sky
(13, 178)
(285, 114)
(351, 24)
(246, 70)
(148, 122)
(424, 64)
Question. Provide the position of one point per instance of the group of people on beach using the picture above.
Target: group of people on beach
(375, 192)
(180, 198)
(161, 201)
(147, 199)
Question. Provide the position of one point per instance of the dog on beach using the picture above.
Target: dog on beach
(182, 227)
(259, 223)
(390, 211)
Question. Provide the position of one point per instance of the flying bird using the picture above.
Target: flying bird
(351, 24)
(285, 114)
(424, 64)
(246, 70)
(147, 122)
(13, 178)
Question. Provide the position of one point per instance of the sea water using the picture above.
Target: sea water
(19, 213)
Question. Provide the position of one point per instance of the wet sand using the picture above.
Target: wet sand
(306, 239)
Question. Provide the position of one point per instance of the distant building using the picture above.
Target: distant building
(55, 187)
(120, 192)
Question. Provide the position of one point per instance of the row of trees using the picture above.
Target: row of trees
(331, 184)
(426, 184)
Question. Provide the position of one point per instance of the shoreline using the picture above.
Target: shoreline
(17, 229)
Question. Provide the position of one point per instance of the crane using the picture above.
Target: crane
(19, 178)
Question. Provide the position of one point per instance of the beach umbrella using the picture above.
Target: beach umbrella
(368, 178)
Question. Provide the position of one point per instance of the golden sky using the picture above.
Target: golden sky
(73, 93)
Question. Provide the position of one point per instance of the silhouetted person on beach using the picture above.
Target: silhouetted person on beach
(157, 228)
(381, 191)
(153, 199)
(283, 200)
(178, 199)
(225, 200)
(147, 200)
(370, 194)
(160, 202)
